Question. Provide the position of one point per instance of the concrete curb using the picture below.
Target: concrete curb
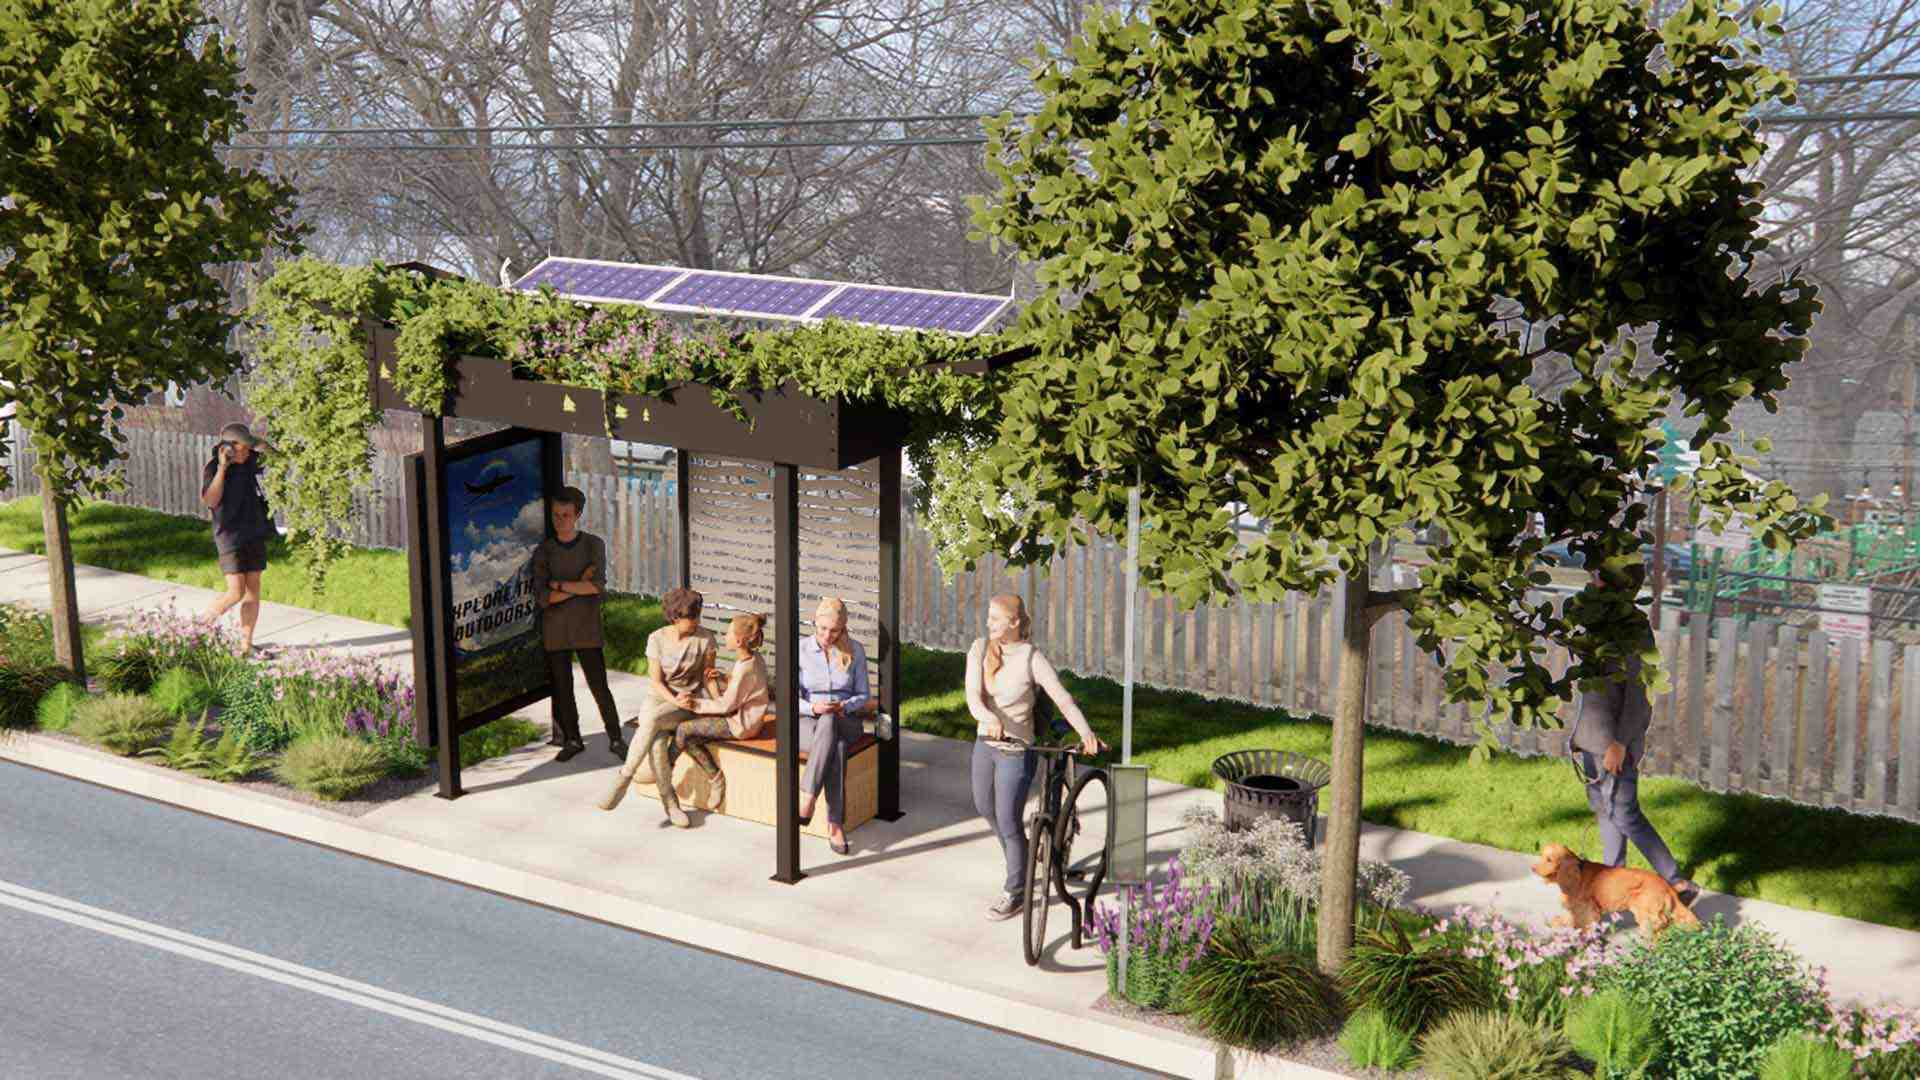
(1090, 1032)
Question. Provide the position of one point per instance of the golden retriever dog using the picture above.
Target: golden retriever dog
(1589, 890)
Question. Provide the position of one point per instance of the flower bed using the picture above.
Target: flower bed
(1224, 947)
(332, 728)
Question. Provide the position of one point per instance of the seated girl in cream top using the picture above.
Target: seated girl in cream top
(740, 711)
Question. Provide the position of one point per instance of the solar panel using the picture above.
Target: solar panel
(765, 296)
(747, 294)
(606, 281)
(958, 313)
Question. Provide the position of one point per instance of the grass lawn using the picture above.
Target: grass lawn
(1823, 860)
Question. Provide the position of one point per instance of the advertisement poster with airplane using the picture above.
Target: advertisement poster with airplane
(495, 518)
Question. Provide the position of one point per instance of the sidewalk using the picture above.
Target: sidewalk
(901, 918)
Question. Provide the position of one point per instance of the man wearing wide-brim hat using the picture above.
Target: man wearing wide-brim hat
(242, 525)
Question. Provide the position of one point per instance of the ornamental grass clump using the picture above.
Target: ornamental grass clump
(122, 723)
(1169, 931)
(1247, 990)
(182, 693)
(1372, 1041)
(332, 766)
(1724, 995)
(1414, 982)
(1482, 1044)
(56, 708)
(1806, 1057)
(1619, 1034)
(1535, 975)
(21, 689)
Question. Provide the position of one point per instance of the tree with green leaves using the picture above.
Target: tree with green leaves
(1284, 248)
(114, 208)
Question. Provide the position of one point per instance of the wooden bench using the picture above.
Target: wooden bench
(750, 768)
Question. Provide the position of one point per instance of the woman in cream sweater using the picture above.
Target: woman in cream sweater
(1003, 671)
(739, 711)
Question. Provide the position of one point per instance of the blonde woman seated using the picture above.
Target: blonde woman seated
(833, 694)
(1004, 674)
(740, 711)
(678, 657)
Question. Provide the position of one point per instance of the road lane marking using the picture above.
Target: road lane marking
(315, 981)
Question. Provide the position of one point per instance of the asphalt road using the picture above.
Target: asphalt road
(142, 941)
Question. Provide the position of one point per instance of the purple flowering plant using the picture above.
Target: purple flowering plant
(1169, 930)
(1884, 1040)
(625, 350)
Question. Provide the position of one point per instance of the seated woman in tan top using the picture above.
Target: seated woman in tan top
(740, 711)
(678, 656)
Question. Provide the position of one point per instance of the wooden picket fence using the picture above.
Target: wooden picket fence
(1757, 707)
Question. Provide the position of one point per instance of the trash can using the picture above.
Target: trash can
(1272, 784)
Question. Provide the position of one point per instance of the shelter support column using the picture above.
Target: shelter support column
(786, 647)
(433, 516)
(890, 644)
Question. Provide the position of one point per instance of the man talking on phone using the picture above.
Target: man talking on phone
(242, 525)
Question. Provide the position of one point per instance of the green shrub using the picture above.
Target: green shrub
(232, 759)
(1723, 996)
(123, 723)
(1372, 1041)
(21, 689)
(1806, 1057)
(1252, 992)
(186, 750)
(56, 708)
(1615, 1032)
(1480, 1044)
(1414, 982)
(332, 766)
(247, 706)
(182, 693)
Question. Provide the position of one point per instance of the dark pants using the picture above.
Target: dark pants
(566, 715)
(1001, 781)
(1615, 800)
(826, 739)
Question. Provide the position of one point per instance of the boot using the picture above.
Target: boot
(717, 789)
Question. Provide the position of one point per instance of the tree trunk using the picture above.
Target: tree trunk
(66, 606)
(1340, 859)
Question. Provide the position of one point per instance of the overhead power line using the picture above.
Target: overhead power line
(643, 125)
(765, 144)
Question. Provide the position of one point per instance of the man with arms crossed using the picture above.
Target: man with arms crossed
(569, 568)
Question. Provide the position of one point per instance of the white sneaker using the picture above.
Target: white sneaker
(1006, 907)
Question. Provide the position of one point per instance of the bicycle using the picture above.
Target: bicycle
(1050, 843)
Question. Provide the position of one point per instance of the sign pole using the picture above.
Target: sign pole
(1126, 696)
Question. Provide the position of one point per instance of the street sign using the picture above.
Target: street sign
(1846, 612)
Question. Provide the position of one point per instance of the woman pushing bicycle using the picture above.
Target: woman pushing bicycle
(1003, 671)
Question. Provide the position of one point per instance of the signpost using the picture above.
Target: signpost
(1846, 611)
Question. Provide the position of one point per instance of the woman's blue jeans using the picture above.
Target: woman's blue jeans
(1001, 781)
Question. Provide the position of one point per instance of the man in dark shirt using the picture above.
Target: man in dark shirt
(242, 525)
(569, 572)
(1608, 740)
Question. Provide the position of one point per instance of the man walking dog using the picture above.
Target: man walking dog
(1608, 741)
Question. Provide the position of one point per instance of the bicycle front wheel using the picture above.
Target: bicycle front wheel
(1069, 825)
(1039, 870)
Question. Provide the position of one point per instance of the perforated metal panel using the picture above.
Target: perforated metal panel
(730, 511)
